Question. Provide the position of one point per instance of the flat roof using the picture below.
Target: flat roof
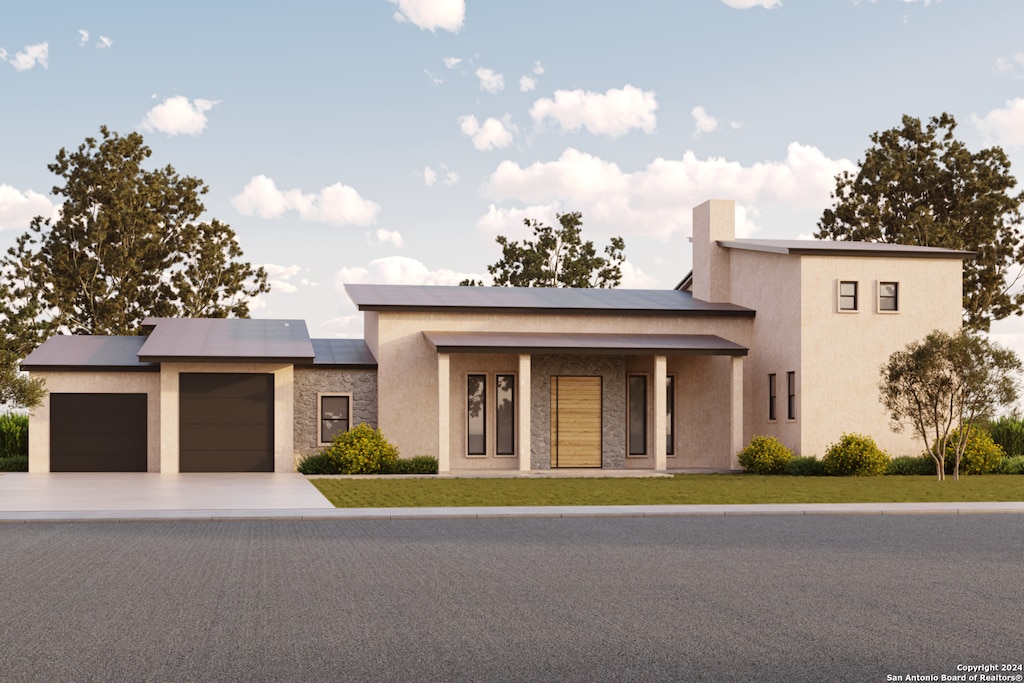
(843, 248)
(88, 352)
(351, 353)
(536, 299)
(226, 339)
(595, 343)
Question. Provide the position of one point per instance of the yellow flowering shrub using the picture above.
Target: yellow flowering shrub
(855, 455)
(361, 450)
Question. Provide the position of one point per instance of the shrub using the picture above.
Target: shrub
(318, 463)
(1013, 465)
(765, 455)
(804, 466)
(1008, 432)
(855, 455)
(908, 465)
(981, 456)
(421, 464)
(15, 463)
(361, 450)
(13, 435)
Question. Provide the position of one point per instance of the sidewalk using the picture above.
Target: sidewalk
(132, 497)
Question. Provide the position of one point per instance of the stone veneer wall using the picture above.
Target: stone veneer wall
(612, 370)
(309, 382)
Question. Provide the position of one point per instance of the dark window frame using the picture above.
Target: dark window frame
(670, 415)
(347, 419)
(631, 449)
(791, 395)
(884, 298)
(849, 302)
(498, 428)
(482, 450)
(773, 391)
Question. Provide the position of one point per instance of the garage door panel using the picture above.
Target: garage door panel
(219, 410)
(224, 385)
(228, 461)
(95, 432)
(203, 437)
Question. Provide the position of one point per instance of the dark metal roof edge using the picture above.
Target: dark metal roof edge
(734, 311)
(812, 250)
(590, 351)
(346, 366)
(278, 360)
(91, 368)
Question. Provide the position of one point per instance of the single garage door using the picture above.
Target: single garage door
(226, 422)
(97, 432)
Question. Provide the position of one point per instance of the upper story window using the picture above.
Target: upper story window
(889, 296)
(847, 295)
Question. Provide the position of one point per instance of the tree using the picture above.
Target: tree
(942, 386)
(922, 186)
(127, 245)
(557, 257)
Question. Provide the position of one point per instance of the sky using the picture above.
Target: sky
(391, 141)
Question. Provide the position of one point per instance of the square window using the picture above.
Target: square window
(888, 296)
(334, 416)
(847, 296)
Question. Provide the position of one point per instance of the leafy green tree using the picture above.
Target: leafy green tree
(128, 244)
(946, 384)
(557, 257)
(920, 185)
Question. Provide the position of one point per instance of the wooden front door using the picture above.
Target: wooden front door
(575, 421)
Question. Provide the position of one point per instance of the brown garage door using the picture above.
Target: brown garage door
(226, 422)
(97, 432)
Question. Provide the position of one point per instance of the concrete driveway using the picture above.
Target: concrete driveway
(135, 491)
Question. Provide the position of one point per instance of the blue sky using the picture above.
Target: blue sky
(391, 140)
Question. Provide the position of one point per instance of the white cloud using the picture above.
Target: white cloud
(450, 177)
(657, 200)
(434, 78)
(490, 80)
(399, 270)
(1003, 126)
(527, 83)
(705, 122)
(31, 55)
(430, 15)
(635, 278)
(1006, 65)
(3, 55)
(613, 113)
(104, 42)
(452, 62)
(392, 237)
(510, 221)
(83, 36)
(429, 176)
(280, 277)
(17, 208)
(336, 204)
(491, 134)
(767, 4)
(177, 116)
(538, 68)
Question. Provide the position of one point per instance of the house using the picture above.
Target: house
(775, 337)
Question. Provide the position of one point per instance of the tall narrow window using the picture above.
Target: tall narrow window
(670, 415)
(476, 415)
(772, 391)
(791, 397)
(847, 296)
(333, 417)
(638, 415)
(888, 296)
(505, 425)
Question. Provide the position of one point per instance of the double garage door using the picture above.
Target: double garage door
(226, 424)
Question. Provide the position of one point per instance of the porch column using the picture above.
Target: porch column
(736, 412)
(444, 414)
(660, 407)
(523, 435)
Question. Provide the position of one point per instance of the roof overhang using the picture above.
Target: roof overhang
(584, 343)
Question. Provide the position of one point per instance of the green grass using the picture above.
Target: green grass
(683, 489)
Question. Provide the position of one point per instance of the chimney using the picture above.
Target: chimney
(713, 221)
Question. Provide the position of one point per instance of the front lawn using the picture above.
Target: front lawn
(682, 489)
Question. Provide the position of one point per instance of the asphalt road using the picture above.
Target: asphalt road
(773, 598)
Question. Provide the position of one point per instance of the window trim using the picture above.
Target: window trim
(895, 298)
(469, 453)
(320, 413)
(773, 396)
(629, 415)
(840, 296)
(791, 396)
(515, 417)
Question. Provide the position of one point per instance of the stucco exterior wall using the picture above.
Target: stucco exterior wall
(407, 376)
(310, 382)
(843, 352)
(462, 365)
(94, 383)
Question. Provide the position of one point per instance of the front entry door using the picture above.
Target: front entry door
(575, 421)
